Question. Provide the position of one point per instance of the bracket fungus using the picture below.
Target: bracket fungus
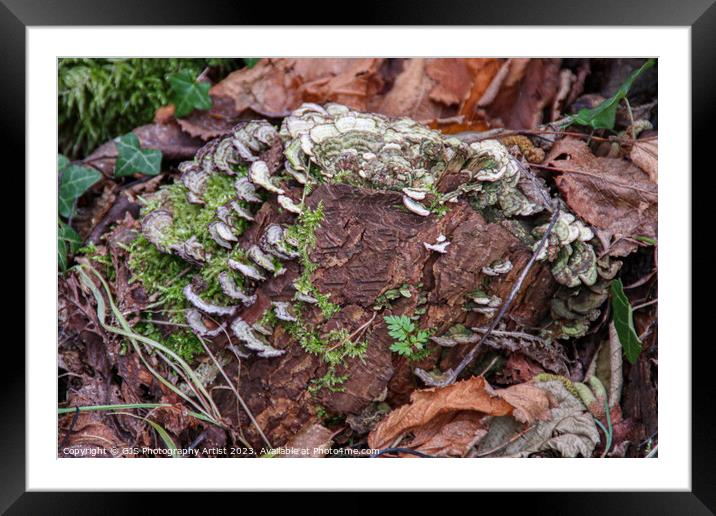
(238, 244)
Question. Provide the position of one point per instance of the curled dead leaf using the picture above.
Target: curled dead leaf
(568, 428)
(448, 421)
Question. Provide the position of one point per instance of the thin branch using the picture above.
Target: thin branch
(451, 375)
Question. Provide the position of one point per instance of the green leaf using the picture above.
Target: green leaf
(62, 255)
(131, 159)
(623, 318)
(645, 239)
(604, 115)
(74, 181)
(62, 162)
(250, 62)
(402, 348)
(187, 94)
(68, 241)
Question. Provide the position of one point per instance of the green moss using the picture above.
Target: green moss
(99, 99)
(165, 276)
(304, 232)
(101, 261)
(181, 340)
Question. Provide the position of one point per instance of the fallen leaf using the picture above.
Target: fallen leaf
(449, 420)
(520, 92)
(310, 442)
(607, 366)
(518, 369)
(431, 89)
(410, 94)
(273, 87)
(645, 155)
(611, 194)
(568, 429)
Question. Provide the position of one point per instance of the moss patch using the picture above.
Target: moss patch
(165, 275)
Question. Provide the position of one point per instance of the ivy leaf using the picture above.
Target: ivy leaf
(623, 318)
(250, 62)
(67, 241)
(604, 115)
(131, 159)
(187, 94)
(74, 181)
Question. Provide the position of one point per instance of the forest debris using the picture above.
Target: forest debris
(425, 89)
(446, 421)
(550, 355)
(274, 87)
(568, 429)
(520, 92)
(611, 194)
(645, 155)
(518, 369)
(434, 89)
(607, 366)
(310, 442)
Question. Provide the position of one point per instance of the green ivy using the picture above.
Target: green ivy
(131, 159)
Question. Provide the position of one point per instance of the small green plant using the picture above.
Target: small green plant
(409, 340)
(74, 180)
(132, 159)
(188, 94)
(604, 115)
(623, 318)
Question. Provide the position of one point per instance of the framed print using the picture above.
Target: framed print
(358, 247)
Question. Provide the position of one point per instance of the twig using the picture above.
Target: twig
(402, 450)
(505, 444)
(642, 305)
(517, 334)
(451, 375)
(236, 393)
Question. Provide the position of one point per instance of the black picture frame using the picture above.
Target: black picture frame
(700, 15)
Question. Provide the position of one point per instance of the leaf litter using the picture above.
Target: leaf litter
(535, 409)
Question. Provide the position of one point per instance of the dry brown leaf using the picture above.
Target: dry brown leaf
(520, 92)
(355, 85)
(530, 403)
(518, 369)
(309, 442)
(410, 95)
(449, 420)
(451, 435)
(611, 194)
(431, 89)
(274, 87)
(567, 429)
(645, 155)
